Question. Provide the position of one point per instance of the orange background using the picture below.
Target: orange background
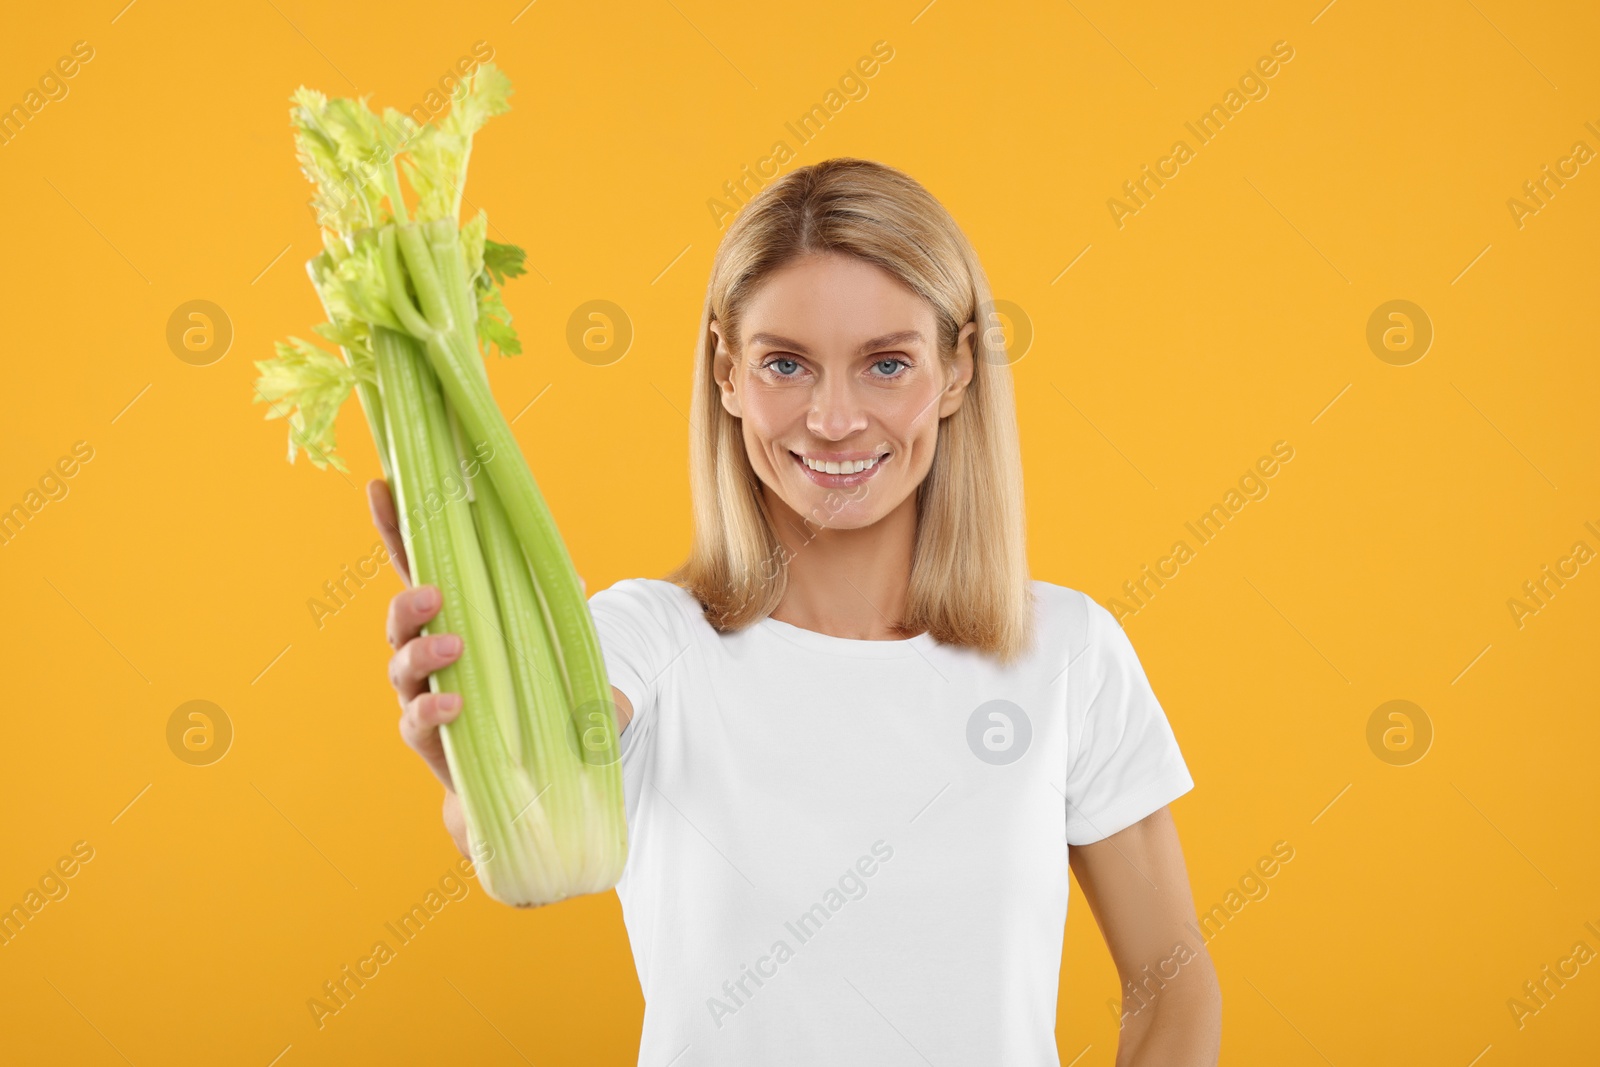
(1229, 313)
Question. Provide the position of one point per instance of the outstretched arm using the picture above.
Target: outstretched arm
(1138, 889)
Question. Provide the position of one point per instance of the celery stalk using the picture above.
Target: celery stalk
(455, 360)
(444, 552)
(434, 268)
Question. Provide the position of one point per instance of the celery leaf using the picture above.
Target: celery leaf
(307, 386)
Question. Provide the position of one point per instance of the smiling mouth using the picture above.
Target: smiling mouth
(842, 472)
(847, 466)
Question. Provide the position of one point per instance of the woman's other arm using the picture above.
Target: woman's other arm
(1138, 889)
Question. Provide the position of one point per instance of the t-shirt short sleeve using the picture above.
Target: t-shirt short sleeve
(637, 626)
(1123, 761)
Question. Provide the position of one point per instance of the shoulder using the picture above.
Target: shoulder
(1079, 629)
(645, 597)
(1069, 617)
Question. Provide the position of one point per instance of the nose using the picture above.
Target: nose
(836, 411)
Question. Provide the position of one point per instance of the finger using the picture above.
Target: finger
(381, 501)
(409, 611)
(421, 656)
(455, 820)
(419, 728)
(424, 713)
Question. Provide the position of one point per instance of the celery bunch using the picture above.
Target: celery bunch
(409, 294)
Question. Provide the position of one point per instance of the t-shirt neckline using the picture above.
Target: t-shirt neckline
(847, 646)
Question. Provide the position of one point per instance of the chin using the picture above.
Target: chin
(850, 522)
(832, 509)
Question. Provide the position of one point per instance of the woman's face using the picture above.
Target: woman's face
(839, 388)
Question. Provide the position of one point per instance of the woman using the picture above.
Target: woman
(861, 747)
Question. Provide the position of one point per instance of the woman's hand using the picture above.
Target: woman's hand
(416, 657)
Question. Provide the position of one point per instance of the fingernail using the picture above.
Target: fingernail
(426, 598)
(446, 645)
(449, 701)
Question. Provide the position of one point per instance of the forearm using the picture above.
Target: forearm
(1180, 1027)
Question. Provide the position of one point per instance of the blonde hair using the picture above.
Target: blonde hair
(969, 573)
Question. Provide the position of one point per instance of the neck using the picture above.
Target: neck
(847, 583)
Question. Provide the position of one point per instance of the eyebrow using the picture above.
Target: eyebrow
(901, 337)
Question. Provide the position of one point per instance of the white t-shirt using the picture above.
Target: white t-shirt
(855, 852)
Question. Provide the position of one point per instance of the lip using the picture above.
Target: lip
(841, 481)
(840, 457)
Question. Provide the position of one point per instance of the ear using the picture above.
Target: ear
(960, 372)
(722, 372)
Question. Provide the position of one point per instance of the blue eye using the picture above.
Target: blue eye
(782, 359)
(891, 364)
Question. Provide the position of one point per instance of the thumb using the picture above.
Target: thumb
(381, 501)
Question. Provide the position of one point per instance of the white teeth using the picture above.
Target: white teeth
(846, 467)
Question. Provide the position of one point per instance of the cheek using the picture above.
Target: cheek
(768, 413)
(912, 416)
(758, 445)
(755, 445)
